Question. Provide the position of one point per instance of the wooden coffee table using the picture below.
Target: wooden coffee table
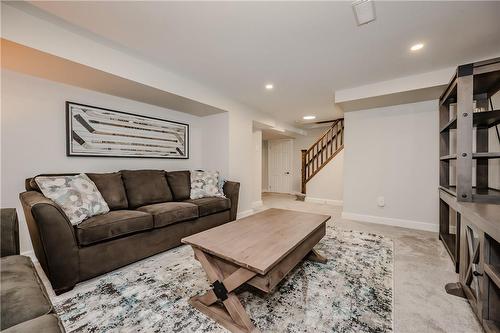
(258, 250)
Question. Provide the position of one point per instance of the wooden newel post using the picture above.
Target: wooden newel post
(303, 189)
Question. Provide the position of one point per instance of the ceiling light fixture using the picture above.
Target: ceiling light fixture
(309, 117)
(417, 47)
(269, 86)
(364, 11)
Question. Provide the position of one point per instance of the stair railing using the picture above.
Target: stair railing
(322, 151)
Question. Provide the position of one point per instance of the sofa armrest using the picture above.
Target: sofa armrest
(53, 238)
(232, 191)
(9, 232)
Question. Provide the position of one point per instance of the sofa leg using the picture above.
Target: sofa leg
(63, 290)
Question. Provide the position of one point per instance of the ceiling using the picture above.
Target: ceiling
(306, 49)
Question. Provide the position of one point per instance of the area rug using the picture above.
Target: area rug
(351, 293)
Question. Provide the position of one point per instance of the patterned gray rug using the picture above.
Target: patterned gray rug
(351, 293)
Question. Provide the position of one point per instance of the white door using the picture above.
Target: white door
(280, 154)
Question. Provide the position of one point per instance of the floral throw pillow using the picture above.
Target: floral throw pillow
(77, 196)
(205, 184)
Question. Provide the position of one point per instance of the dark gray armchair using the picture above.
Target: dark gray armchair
(9, 232)
(25, 305)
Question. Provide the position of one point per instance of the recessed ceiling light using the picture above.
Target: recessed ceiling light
(309, 117)
(417, 47)
(269, 86)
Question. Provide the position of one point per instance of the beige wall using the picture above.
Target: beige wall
(328, 184)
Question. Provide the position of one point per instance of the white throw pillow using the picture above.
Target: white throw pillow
(205, 184)
(77, 195)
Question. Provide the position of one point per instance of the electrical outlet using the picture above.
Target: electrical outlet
(381, 201)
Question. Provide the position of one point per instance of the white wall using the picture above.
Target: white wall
(215, 152)
(265, 166)
(257, 168)
(393, 152)
(244, 158)
(328, 184)
(33, 137)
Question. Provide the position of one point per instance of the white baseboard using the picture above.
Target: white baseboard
(30, 254)
(257, 204)
(391, 221)
(325, 201)
(245, 213)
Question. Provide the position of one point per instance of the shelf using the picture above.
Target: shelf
(450, 190)
(450, 92)
(491, 326)
(449, 244)
(486, 118)
(448, 157)
(452, 124)
(476, 156)
(481, 119)
(486, 81)
(486, 155)
(489, 195)
(493, 272)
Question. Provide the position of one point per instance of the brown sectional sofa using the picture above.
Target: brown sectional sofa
(150, 211)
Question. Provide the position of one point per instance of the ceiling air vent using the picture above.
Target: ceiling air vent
(364, 11)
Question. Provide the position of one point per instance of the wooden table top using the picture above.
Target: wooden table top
(259, 241)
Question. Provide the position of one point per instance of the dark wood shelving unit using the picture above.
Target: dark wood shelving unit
(466, 116)
(472, 83)
(491, 326)
(478, 195)
(449, 241)
(493, 273)
(475, 156)
(480, 119)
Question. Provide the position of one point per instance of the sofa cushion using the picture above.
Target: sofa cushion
(23, 294)
(113, 224)
(77, 196)
(180, 184)
(145, 187)
(205, 184)
(112, 189)
(170, 212)
(45, 324)
(207, 206)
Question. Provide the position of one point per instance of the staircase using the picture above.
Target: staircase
(322, 151)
